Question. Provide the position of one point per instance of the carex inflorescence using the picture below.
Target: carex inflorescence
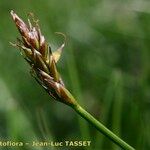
(37, 52)
(42, 60)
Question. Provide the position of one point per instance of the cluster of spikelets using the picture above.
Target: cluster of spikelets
(42, 60)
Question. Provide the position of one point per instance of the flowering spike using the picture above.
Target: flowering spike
(43, 68)
(41, 59)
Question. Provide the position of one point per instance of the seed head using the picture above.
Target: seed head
(42, 60)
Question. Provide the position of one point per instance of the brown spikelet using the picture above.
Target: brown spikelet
(38, 54)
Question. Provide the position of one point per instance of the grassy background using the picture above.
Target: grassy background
(105, 64)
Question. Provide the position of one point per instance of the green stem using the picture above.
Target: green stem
(100, 127)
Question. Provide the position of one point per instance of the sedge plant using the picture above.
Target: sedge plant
(37, 52)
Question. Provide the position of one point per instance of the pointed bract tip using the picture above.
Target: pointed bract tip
(16, 18)
(13, 14)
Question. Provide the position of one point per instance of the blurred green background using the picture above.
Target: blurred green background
(105, 64)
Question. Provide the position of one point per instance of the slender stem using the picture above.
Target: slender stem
(100, 127)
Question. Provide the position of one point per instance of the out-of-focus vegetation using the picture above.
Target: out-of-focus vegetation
(105, 64)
